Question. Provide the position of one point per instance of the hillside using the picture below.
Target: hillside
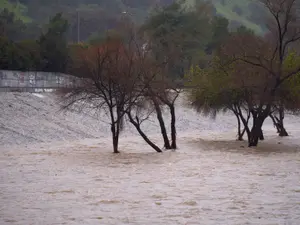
(240, 12)
(41, 9)
(19, 9)
(99, 15)
(95, 16)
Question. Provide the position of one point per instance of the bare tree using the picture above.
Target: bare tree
(159, 114)
(105, 84)
(175, 46)
(137, 114)
(143, 105)
(115, 79)
(167, 92)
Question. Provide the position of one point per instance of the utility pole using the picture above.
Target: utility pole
(78, 26)
(78, 23)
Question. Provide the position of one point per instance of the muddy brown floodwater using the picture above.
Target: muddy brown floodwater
(204, 182)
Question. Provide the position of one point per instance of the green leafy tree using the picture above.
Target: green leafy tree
(29, 55)
(177, 34)
(240, 88)
(264, 59)
(219, 33)
(10, 26)
(244, 30)
(23, 55)
(215, 90)
(53, 45)
(7, 53)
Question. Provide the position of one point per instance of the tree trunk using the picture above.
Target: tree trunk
(115, 138)
(115, 129)
(138, 127)
(283, 132)
(278, 123)
(173, 127)
(240, 134)
(256, 131)
(261, 135)
(275, 123)
(161, 124)
(253, 138)
(241, 137)
(241, 120)
(245, 122)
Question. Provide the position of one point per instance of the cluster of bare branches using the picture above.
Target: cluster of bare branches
(121, 78)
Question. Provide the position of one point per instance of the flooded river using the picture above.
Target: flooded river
(204, 182)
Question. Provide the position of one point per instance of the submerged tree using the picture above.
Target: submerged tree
(265, 57)
(113, 80)
(239, 88)
(106, 83)
(277, 116)
(214, 90)
(164, 92)
(175, 36)
(288, 95)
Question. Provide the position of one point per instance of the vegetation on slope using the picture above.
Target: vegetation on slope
(240, 12)
(99, 15)
(17, 8)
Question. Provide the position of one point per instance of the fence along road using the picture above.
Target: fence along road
(32, 81)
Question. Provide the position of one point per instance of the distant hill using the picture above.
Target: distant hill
(95, 16)
(41, 9)
(19, 9)
(240, 12)
(99, 15)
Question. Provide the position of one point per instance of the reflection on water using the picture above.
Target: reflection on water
(204, 182)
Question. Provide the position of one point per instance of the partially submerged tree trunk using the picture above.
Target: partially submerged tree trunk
(136, 124)
(116, 126)
(261, 135)
(173, 127)
(283, 132)
(236, 110)
(253, 136)
(115, 138)
(240, 133)
(170, 102)
(240, 136)
(278, 123)
(256, 132)
(161, 123)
